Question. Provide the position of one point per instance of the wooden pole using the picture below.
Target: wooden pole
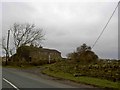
(49, 58)
(7, 53)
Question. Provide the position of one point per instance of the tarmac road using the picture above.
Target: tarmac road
(17, 79)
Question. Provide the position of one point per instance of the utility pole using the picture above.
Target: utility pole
(49, 58)
(7, 53)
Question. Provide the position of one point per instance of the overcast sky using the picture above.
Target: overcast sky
(67, 24)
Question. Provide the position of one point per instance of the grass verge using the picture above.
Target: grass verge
(102, 83)
(18, 67)
(27, 66)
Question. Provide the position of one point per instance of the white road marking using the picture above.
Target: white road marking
(11, 84)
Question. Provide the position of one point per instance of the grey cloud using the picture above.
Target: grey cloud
(68, 25)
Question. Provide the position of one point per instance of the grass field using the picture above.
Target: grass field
(84, 79)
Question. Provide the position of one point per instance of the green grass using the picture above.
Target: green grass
(27, 66)
(18, 67)
(84, 79)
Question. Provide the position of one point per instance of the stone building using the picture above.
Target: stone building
(45, 54)
(37, 55)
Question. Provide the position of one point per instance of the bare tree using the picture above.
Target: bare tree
(4, 46)
(24, 34)
(5, 49)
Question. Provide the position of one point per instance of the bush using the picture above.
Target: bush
(83, 55)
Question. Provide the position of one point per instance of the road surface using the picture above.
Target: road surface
(17, 79)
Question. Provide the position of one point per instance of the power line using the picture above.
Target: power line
(105, 26)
